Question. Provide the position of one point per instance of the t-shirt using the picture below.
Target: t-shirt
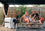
(25, 16)
(30, 19)
(35, 14)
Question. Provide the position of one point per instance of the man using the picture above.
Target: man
(35, 17)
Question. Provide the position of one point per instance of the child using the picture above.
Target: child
(30, 18)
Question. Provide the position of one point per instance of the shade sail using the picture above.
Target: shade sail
(23, 1)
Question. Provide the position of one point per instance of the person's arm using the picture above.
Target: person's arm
(23, 16)
(33, 16)
(4, 11)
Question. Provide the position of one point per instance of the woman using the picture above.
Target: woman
(25, 17)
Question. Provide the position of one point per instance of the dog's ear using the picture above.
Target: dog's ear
(17, 17)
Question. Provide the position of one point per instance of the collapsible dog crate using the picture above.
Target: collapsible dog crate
(8, 22)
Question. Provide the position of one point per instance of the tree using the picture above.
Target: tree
(22, 10)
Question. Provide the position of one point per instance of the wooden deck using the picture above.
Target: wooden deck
(31, 25)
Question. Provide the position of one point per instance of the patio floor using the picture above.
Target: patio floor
(28, 29)
(6, 29)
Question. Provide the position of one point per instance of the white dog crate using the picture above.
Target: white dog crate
(9, 22)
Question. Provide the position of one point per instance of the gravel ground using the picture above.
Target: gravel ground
(6, 29)
(20, 29)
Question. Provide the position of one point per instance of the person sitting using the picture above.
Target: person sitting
(35, 17)
(25, 17)
(30, 18)
(42, 19)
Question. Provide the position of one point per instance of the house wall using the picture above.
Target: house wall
(12, 11)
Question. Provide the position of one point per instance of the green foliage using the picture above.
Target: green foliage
(1, 16)
(22, 10)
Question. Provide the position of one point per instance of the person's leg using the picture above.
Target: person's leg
(27, 20)
(33, 19)
(39, 21)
